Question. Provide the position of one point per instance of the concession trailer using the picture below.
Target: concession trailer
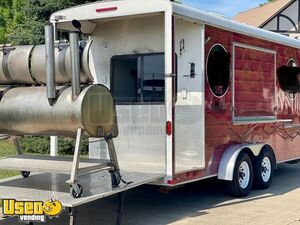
(167, 94)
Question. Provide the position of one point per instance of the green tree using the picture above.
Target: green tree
(22, 21)
(10, 16)
(269, 1)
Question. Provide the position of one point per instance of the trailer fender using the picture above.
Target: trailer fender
(230, 155)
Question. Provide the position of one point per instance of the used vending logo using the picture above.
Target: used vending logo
(29, 211)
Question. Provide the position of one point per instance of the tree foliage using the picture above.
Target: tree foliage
(10, 16)
(22, 21)
(269, 1)
(41, 145)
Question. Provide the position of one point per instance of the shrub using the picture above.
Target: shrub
(41, 145)
(35, 145)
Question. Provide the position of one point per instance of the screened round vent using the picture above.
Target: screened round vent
(218, 70)
(288, 78)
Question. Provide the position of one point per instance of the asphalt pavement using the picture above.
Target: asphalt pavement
(201, 203)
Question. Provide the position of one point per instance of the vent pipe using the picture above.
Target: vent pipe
(50, 63)
(75, 63)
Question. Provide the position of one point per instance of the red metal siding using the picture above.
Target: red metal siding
(254, 74)
(254, 77)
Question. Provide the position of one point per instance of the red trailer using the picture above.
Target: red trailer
(197, 96)
(230, 109)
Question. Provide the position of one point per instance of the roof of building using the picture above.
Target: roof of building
(258, 16)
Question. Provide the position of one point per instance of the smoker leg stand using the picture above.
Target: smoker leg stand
(76, 189)
(112, 153)
(115, 174)
(121, 207)
(73, 214)
(17, 145)
(19, 151)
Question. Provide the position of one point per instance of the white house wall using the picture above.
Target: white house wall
(272, 25)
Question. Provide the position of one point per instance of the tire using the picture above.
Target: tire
(241, 184)
(76, 191)
(25, 174)
(264, 165)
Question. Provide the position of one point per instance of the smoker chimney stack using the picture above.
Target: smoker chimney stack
(75, 64)
(50, 63)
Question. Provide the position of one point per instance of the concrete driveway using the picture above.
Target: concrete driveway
(204, 202)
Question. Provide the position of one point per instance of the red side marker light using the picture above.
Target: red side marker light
(106, 9)
(171, 182)
(169, 128)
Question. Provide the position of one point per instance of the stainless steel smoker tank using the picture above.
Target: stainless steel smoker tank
(26, 111)
(15, 65)
(72, 111)
(26, 65)
(62, 63)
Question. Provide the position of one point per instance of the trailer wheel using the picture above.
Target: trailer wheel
(25, 174)
(76, 190)
(263, 169)
(242, 181)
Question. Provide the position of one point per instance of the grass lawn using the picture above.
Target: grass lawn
(7, 149)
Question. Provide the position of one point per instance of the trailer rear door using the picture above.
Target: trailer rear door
(189, 107)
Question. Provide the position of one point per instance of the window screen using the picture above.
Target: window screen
(138, 78)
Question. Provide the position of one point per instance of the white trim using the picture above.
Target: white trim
(202, 35)
(168, 92)
(275, 86)
(233, 83)
(258, 120)
(253, 47)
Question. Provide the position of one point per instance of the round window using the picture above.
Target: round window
(218, 70)
(291, 63)
(291, 95)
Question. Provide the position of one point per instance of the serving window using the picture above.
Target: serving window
(254, 73)
(138, 78)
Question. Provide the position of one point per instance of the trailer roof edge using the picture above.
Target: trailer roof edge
(118, 8)
(231, 25)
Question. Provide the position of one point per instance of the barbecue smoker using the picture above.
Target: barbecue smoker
(39, 100)
(197, 96)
